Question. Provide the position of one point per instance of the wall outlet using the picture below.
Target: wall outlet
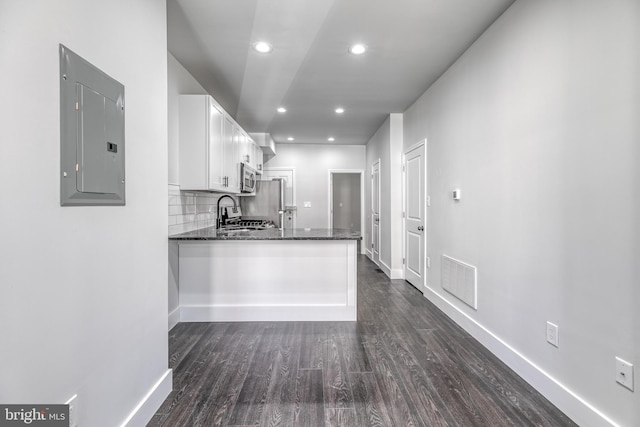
(552, 334)
(73, 410)
(624, 373)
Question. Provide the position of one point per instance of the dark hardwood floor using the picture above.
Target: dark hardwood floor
(404, 363)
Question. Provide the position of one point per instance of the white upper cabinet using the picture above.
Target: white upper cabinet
(245, 153)
(251, 153)
(216, 148)
(200, 142)
(211, 144)
(256, 156)
(231, 162)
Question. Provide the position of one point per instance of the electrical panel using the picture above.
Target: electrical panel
(91, 134)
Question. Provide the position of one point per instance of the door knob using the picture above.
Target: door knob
(420, 228)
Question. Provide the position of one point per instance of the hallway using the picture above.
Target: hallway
(402, 364)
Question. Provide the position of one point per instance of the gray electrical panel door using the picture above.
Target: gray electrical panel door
(91, 134)
(98, 143)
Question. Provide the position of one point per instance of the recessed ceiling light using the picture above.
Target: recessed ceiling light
(290, 138)
(357, 49)
(282, 110)
(331, 139)
(339, 110)
(262, 47)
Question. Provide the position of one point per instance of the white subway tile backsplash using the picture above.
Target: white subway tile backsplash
(191, 210)
(179, 228)
(176, 210)
(182, 219)
(205, 208)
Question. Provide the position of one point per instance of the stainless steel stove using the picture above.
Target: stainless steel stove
(234, 221)
(251, 224)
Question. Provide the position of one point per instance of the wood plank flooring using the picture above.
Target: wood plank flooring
(404, 363)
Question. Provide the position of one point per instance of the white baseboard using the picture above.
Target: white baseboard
(384, 267)
(174, 318)
(397, 273)
(148, 406)
(576, 408)
(391, 274)
(265, 313)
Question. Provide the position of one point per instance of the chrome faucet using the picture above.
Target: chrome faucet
(219, 218)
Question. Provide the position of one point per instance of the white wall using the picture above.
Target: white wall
(83, 301)
(395, 195)
(312, 163)
(378, 150)
(181, 212)
(537, 123)
(180, 82)
(386, 146)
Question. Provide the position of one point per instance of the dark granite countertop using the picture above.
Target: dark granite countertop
(270, 234)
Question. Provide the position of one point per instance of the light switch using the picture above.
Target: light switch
(307, 204)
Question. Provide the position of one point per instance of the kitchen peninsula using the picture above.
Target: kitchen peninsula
(267, 275)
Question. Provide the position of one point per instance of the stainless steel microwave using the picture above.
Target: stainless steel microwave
(248, 181)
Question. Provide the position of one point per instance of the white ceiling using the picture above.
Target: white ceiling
(310, 72)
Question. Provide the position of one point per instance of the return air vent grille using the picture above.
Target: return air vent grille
(460, 280)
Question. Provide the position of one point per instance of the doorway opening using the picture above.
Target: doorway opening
(346, 199)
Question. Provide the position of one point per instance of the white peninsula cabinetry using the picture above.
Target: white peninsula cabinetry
(267, 275)
(211, 146)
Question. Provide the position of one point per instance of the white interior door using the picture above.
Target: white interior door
(288, 175)
(375, 212)
(415, 216)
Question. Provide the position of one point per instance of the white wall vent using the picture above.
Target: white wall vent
(460, 280)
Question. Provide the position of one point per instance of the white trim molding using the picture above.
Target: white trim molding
(174, 318)
(574, 406)
(147, 407)
(392, 273)
(396, 273)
